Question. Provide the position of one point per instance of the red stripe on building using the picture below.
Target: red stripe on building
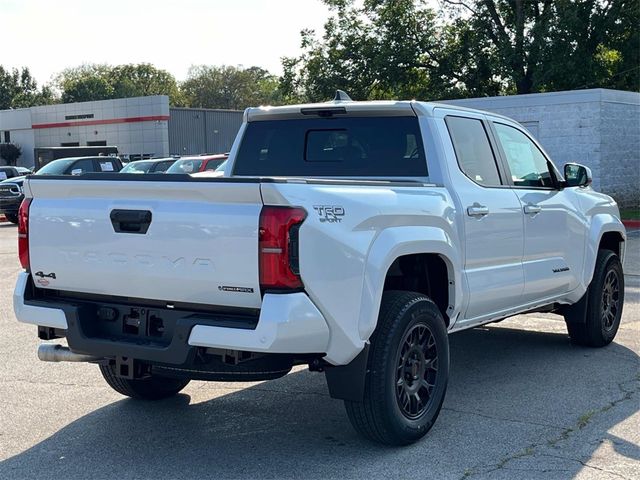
(108, 121)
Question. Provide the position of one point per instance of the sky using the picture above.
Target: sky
(50, 35)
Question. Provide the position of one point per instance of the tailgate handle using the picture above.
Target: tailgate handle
(131, 221)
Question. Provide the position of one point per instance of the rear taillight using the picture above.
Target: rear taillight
(278, 247)
(23, 233)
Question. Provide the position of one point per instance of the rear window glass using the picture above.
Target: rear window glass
(348, 146)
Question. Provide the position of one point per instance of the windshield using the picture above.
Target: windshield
(186, 165)
(57, 167)
(137, 167)
(221, 167)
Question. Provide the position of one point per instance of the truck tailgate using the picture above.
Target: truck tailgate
(178, 241)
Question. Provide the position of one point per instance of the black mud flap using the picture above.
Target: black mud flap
(577, 314)
(346, 382)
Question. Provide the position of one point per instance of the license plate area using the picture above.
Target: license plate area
(139, 324)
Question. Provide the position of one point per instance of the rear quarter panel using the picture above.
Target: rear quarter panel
(343, 263)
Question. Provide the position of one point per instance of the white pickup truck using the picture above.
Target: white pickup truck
(349, 236)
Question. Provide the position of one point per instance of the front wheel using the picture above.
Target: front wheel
(408, 370)
(602, 304)
(151, 388)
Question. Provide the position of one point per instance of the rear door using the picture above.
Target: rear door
(492, 219)
(554, 229)
(178, 241)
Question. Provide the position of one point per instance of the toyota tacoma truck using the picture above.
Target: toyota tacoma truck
(351, 237)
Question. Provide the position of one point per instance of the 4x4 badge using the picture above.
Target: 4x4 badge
(45, 275)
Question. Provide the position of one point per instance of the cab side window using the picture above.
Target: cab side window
(528, 166)
(473, 150)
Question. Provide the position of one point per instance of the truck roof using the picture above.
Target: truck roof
(367, 108)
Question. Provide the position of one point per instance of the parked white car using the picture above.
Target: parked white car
(349, 236)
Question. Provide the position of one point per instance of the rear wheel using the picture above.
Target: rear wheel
(408, 369)
(151, 388)
(11, 217)
(602, 303)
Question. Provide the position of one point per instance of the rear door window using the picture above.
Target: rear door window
(473, 150)
(347, 146)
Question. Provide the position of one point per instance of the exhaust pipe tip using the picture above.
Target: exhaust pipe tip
(49, 352)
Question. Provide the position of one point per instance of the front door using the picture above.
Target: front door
(493, 232)
(554, 232)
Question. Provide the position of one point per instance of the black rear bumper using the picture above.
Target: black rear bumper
(145, 330)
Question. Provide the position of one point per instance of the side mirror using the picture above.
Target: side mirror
(576, 175)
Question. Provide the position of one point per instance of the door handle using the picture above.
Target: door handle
(477, 211)
(532, 209)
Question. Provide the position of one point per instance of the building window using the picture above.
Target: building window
(70, 144)
(7, 136)
(97, 143)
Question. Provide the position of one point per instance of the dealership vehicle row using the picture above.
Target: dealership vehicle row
(12, 178)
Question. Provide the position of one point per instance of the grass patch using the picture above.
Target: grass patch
(585, 419)
(630, 213)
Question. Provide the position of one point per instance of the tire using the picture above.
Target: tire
(604, 299)
(152, 388)
(13, 218)
(389, 413)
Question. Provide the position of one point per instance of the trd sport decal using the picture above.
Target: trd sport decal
(329, 213)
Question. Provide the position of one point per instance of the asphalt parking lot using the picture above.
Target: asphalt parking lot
(522, 403)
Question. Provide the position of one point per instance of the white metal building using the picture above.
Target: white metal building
(138, 126)
(135, 125)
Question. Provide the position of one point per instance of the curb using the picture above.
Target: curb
(631, 223)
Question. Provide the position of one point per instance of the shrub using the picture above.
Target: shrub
(10, 152)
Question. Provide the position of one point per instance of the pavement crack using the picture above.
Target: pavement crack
(586, 464)
(581, 423)
(501, 419)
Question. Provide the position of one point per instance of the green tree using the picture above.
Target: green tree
(374, 49)
(554, 44)
(140, 80)
(18, 89)
(86, 83)
(229, 87)
(402, 49)
(102, 82)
